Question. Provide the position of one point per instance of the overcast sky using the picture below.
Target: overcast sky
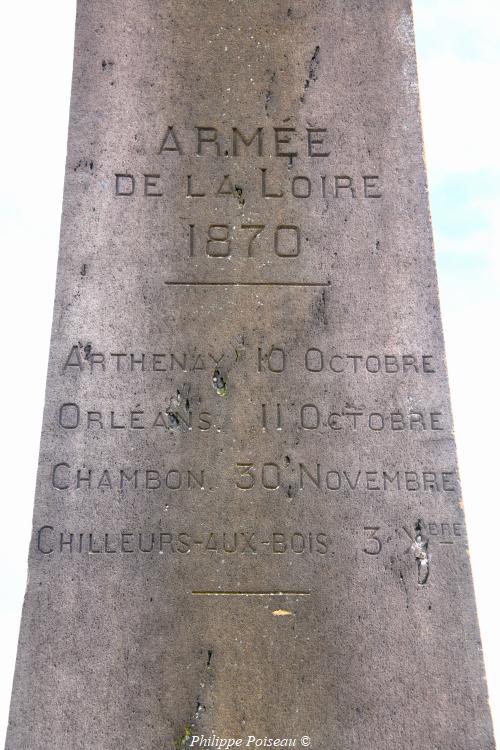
(458, 46)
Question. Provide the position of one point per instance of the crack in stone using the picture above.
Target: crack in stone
(313, 72)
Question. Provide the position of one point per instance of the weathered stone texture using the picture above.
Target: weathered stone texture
(247, 363)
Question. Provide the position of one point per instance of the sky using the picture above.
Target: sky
(458, 51)
(458, 48)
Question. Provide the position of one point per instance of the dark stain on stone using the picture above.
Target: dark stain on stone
(267, 100)
(239, 192)
(173, 419)
(203, 702)
(178, 411)
(319, 308)
(85, 165)
(219, 383)
(403, 583)
(420, 548)
(268, 92)
(107, 65)
(87, 351)
(313, 71)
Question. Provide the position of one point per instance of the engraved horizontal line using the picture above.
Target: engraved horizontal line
(251, 593)
(249, 283)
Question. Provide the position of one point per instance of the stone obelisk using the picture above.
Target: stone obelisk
(248, 524)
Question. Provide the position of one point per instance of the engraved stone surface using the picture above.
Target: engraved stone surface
(248, 519)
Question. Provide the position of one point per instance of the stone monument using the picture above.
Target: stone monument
(248, 527)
